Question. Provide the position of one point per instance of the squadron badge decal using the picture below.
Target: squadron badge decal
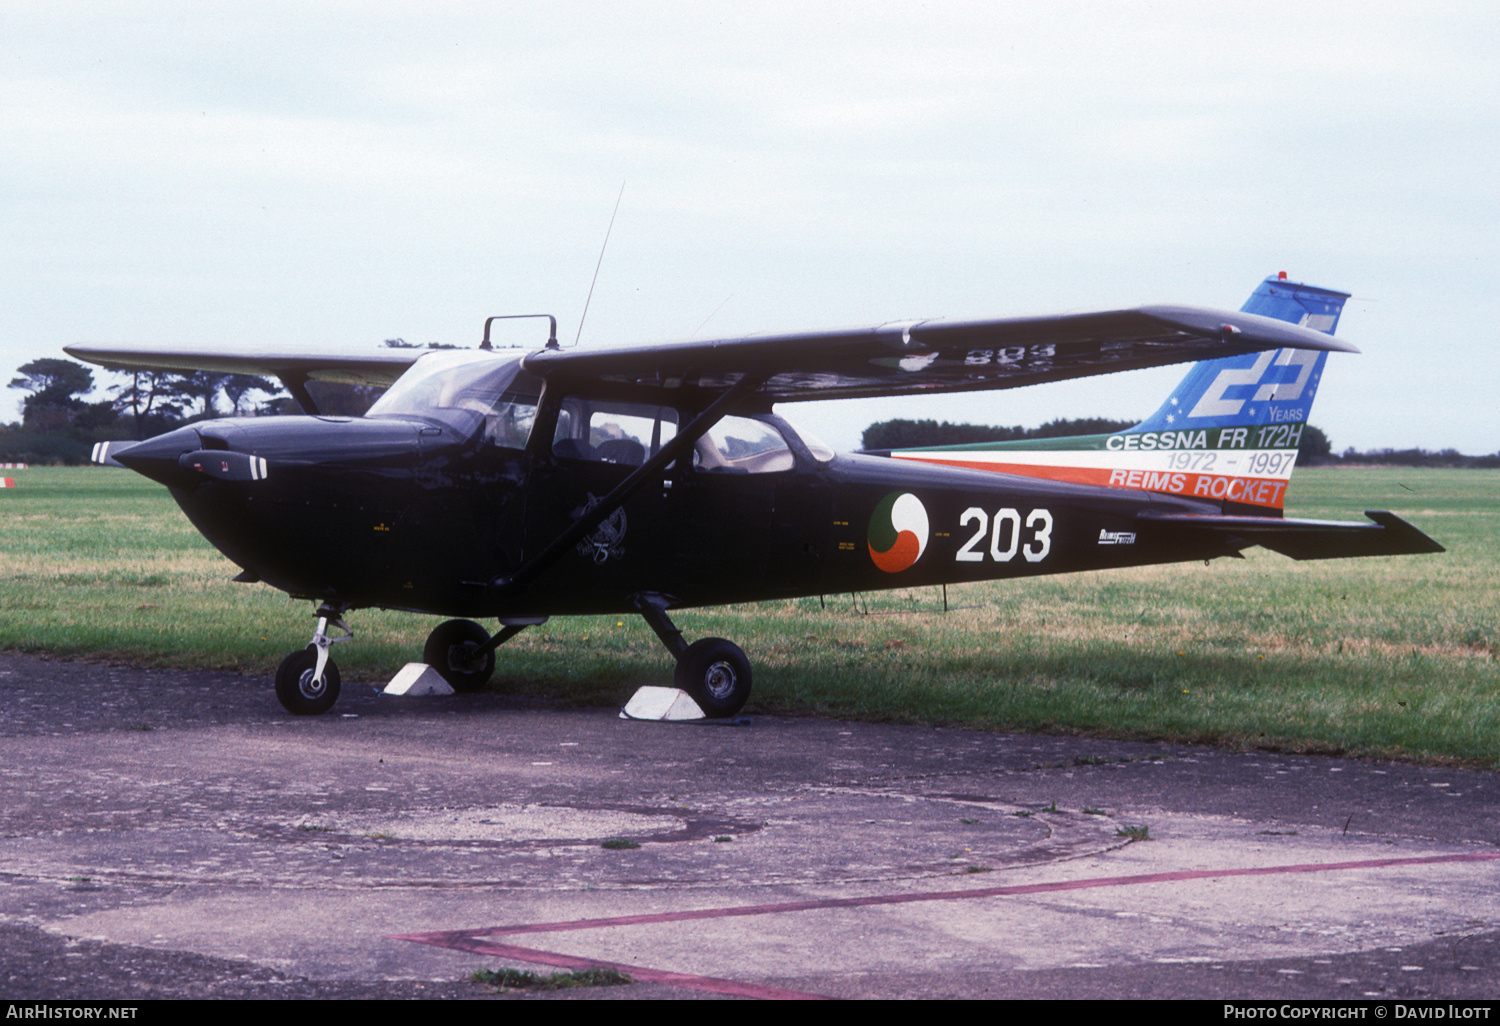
(898, 532)
(608, 539)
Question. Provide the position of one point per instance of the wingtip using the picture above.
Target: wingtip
(1211, 323)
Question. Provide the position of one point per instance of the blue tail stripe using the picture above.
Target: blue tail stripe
(1257, 388)
(1308, 305)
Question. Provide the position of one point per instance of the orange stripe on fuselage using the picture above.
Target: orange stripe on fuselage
(1254, 491)
(1076, 475)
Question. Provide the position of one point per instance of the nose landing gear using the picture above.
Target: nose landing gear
(307, 681)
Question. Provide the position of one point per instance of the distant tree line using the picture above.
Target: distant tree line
(60, 422)
(1415, 458)
(1315, 448)
(914, 434)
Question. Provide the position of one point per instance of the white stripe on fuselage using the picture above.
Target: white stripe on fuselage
(1275, 463)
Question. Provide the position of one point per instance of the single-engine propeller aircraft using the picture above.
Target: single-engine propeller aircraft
(520, 486)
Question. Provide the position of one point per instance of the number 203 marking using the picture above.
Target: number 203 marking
(1005, 536)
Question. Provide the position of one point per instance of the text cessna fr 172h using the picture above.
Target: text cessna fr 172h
(515, 486)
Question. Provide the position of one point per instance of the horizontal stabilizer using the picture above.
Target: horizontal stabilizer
(1389, 535)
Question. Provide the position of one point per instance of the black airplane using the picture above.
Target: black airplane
(520, 486)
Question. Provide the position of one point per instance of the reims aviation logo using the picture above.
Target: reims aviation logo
(898, 532)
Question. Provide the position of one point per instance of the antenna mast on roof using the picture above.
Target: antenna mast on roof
(599, 264)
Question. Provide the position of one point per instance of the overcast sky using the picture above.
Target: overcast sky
(335, 174)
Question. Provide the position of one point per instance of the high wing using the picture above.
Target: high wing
(912, 358)
(293, 368)
(379, 368)
(930, 357)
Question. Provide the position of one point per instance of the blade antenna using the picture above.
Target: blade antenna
(599, 264)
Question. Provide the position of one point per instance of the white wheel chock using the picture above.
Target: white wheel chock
(652, 703)
(418, 679)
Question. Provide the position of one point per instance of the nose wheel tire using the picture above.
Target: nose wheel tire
(716, 674)
(452, 649)
(302, 693)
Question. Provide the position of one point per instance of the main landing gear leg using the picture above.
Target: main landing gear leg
(713, 671)
(307, 682)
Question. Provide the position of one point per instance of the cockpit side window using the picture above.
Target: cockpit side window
(607, 431)
(508, 423)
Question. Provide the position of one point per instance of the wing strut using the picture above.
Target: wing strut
(296, 384)
(646, 472)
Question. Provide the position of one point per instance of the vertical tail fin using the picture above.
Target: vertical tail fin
(1227, 433)
(1216, 393)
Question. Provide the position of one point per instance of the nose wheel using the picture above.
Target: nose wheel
(307, 681)
(301, 689)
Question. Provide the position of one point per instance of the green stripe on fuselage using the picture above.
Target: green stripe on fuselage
(1260, 436)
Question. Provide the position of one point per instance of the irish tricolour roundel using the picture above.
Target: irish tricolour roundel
(898, 532)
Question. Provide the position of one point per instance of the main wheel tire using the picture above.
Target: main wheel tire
(450, 651)
(298, 691)
(717, 674)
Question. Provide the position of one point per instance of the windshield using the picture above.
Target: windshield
(467, 389)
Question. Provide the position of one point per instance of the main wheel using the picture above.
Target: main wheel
(298, 691)
(717, 674)
(451, 650)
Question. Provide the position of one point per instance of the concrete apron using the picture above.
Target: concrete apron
(425, 838)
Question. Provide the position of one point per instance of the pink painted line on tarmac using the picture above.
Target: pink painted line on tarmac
(474, 940)
(985, 892)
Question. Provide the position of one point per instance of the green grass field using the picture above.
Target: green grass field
(1393, 657)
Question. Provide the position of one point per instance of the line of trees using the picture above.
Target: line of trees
(60, 423)
(1414, 458)
(916, 434)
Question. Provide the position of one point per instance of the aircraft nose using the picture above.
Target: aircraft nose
(159, 458)
(178, 459)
